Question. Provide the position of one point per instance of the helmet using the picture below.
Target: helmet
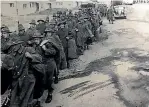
(5, 29)
(21, 27)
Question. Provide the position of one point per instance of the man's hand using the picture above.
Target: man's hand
(44, 47)
(29, 42)
(28, 55)
(67, 38)
(92, 35)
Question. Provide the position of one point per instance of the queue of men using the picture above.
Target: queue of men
(32, 59)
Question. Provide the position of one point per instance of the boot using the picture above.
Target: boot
(56, 80)
(49, 98)
(68, 65)
(37, 104)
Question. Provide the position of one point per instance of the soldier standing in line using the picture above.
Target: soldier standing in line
(41, 26)
(80, 36)
(47, 21)
(70, 22)
(7, 60)
(63, 33)
(88, 35)
(72, 48)
(51, 56)
(95, 25)
(70, 13)
(40, 79)
(52, 25)
(5, 37)
(30, 31)
(22, 34)
(25, 60)
(55, 17)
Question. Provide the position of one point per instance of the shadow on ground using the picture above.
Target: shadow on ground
(133, 55)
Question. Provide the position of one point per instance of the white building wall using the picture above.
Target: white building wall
(6, 10)
(64, 4)
(9, 8)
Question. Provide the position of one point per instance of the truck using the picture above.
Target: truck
(120, 11)
(128, 2)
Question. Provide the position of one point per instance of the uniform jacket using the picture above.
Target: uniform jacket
(23, 75)
(110, 13)
(6, 73)
(30, 32)
(41, 28)
(63, 33)
(79, 35)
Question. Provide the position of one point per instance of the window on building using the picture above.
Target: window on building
(57, 3)
(33, 4)
(24, 6)
(61, 3)
(11, 4)
(30, 5)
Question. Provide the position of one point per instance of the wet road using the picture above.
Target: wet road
(113, 73)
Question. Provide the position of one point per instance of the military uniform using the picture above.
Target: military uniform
(95, 25)
(6, 72)
(41, 26)
(23, 36)
(80, 38)
(23, 74)
(30, 31)
(63, 33)
(87, 27)
(4, 40)
(110, 14)
(51, 57)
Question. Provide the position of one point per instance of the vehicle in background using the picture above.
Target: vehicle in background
(128, 2)
(120, 12)
(88, 5)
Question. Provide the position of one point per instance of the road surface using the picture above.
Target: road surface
(114, 72)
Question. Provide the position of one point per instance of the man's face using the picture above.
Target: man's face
(40, 22)
(49, 34)
(21, 32)
(62, 26)
(54, 17)
(37, 41)
(52, 25)
(5, 35)
(32, 25)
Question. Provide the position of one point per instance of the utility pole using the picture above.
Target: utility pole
(111, 2)
(17, 16)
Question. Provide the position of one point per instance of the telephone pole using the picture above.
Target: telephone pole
(17, 15)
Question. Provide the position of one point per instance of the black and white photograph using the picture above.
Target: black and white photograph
(74, 53)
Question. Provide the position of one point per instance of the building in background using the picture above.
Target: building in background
(11, 8)
(141, 1)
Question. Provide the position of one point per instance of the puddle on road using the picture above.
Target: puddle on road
(122, 70)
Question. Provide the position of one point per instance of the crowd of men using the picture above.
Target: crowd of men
(31, 59)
